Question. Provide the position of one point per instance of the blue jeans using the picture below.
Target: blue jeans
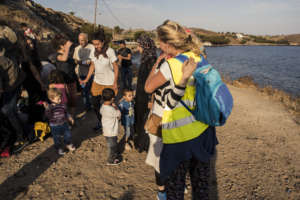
(86, 91)
(112, 145)
(58, 132)
(128, 131)
(126, 77)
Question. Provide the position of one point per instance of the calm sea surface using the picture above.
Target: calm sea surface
(277, 66)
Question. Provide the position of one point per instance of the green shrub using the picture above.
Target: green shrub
(139, 33)
(243, 41)
(216, 40)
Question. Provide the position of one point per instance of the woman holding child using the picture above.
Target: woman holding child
(188, 144)
(66, 65)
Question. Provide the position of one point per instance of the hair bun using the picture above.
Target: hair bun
(189, 39)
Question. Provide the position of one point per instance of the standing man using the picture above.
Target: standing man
(81, 57)
(124, 56)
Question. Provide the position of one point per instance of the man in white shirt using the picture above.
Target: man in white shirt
(82, 58)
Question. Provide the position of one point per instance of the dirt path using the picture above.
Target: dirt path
(258, 158)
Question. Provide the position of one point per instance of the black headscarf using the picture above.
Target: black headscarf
(148, 46)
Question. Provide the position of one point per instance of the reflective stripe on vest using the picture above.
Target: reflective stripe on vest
(178, 124)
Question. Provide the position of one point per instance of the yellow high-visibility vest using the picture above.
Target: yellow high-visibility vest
(178, 124)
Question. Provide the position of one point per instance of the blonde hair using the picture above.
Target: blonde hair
(53, 92)
(179, 37)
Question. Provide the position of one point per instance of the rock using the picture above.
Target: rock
(7, 33)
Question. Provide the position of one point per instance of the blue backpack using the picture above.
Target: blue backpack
(214, 101)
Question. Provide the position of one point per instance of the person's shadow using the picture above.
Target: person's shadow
(128, 195)
(19, 182)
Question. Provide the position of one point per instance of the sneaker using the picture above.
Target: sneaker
(19, 146)
(61, 152)
(71, 147)
(161, 195)
(5, 153)
(115, 162)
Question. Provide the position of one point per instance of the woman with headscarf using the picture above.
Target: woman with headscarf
(147, 48)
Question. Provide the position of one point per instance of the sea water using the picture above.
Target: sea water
(276, 66)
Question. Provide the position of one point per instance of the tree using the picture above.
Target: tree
(139, 33)
(243, 41)
(214, 39)
(89, 29)
(118, 30)
(72, 13)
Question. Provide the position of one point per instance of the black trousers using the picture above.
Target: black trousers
(97, 102)
(199, 173)
(158, 180)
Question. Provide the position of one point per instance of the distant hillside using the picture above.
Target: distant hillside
(44, 21)
(203, 31)
(293, 38)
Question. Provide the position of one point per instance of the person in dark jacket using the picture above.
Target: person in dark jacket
(147, 49)
(11, 79)
(66, 64)
(33, 83)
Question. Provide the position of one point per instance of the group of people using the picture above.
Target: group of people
(152, 115)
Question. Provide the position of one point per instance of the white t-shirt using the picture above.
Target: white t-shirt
(109, 120)
(166, 71)
(156, 108)
(104, 71)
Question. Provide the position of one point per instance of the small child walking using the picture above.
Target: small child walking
(127, 115)
(58, 117)
(110, 123)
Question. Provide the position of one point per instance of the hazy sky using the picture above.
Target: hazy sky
(248, 16)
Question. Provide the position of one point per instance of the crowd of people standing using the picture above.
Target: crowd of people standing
(153, 118)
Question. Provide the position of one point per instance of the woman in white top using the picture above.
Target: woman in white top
(105, 69)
